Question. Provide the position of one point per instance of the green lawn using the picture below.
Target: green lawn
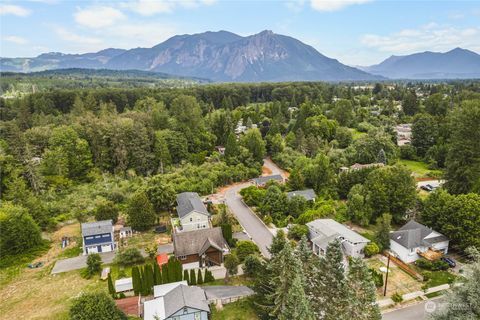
(420, 169)
(240, 310)
(438, 278)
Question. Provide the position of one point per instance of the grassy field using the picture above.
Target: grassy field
(438, 278)
(420, 169)
(239, 310)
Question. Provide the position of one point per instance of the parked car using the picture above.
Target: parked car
(427, 188)
(451, 263)
(161, 229)
(35, 265)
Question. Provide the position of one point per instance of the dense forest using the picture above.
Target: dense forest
(66, 153)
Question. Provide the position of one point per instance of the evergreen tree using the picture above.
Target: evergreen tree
(111, 288)
(208, 276)
(157, 274)
(278, 243)
(382, 236)
(382, 157)
(231, 147)
(140, 212)
(329, 294)
(165, 274)
(297, 304)
(136, 281)
(193, 279)
(186, 277)
(363, 305)
(199, 277)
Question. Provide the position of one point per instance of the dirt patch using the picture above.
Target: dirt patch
(266, 171)
(128, 305)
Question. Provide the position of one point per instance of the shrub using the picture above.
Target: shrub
(267, 219)
(94, 264)
(208, 276)
(397, 297)
(245, 248)
(407, 152)
(439, 265)
(424, 264)
(252, 265)
(377, 278)
(297, 231)
(129, 257)
(231, 263)
(98, 306)
(106, 210)
(371, 249)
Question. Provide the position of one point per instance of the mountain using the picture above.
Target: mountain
(455, 64)
(58, 60)
(219, 56)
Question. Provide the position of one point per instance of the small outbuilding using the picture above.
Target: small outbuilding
(307, 194)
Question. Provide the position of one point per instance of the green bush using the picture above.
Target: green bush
(297, 231)
(252, 265)
(377, 278)
(371, 249)
(98, 306)
(94, 264)
(397, 298)
(129, 257)
(267, 219)
(245, 248)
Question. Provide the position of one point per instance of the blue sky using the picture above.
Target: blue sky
(356, 32)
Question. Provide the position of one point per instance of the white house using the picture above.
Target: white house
(177, 301)
(412, 238)
(324, 231)
(192, 212)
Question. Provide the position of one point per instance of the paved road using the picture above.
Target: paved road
(79, 262)
(226, 292)
(255, 228)
(419, 311)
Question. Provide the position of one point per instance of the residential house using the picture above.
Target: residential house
(125, 232)
(359, 166)
(307, 194)
(177, 301)
(200, 248)
(262, 181)
(415, 239)
(192, 212)
(324, 231)
(98, 237)
(404, 133)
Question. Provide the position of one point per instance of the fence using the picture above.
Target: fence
(405, 267)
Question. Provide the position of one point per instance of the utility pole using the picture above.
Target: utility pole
(386, 277)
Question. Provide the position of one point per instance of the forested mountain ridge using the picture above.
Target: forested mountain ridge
(219, 56)
(454, 64)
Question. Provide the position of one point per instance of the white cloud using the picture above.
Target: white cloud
(75, 38)
(15, 39)
(334, 5)
(98, 16)
(14, 10)
(130, 35)
(152, 7)
(432, 37)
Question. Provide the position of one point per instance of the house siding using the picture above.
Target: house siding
(189, 314)
(212, 255)
(195, 221)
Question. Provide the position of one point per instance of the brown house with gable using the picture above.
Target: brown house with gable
(205, 247)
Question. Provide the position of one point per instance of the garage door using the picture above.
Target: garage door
(92, 250)
(107, 248)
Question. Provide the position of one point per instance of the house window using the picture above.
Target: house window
(183, 257)
(197, 315)
(105, 235)
(185, 310)
(89, 238)
(96, 237)
(191, 219)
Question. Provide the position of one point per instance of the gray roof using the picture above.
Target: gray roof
(330, 229)
(188, 202)
(265, 179)
(197, 241)
(308, 194)
(413, 234)
(184, 296)
(97, 227)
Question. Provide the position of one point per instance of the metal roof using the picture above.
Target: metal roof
(188, 202)
(308, 194)
(122, 285)
(97, 227)
(331, 228)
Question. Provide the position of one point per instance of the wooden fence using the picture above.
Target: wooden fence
(405, 267)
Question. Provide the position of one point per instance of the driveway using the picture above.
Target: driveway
(254, 227)
(79, 262)
(419, 311)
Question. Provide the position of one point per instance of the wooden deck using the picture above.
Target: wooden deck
(431, 254)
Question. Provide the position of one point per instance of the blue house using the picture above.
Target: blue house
(98, 237)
